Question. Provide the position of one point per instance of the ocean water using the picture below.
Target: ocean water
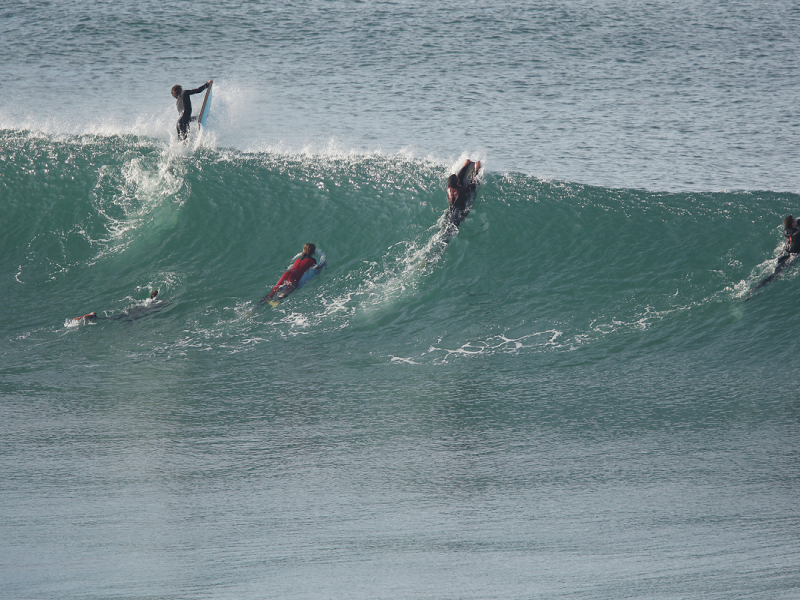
(570, 399)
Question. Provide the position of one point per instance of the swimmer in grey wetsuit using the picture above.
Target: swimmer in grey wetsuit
(185, 107)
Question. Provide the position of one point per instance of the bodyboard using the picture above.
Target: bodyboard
(307, 276)
(205, 110)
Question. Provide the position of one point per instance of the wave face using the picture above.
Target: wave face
(540, 269)
(572, 350)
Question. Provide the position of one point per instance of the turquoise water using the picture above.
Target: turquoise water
(570, 399)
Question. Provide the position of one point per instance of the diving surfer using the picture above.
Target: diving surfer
(459, 191)
(184, 104)
(289, 279)
(791, 234)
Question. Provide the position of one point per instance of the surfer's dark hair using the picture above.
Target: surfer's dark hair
(309, 249)
(787, 222)
(452, 181)
(176, 91)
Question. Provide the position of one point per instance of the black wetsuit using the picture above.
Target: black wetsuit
(185, 110)
(466, 192)
(792, 235)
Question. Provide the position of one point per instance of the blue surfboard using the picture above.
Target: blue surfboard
(205, 111)
(307, 276)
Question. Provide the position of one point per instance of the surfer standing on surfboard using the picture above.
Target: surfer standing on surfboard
(184, 103)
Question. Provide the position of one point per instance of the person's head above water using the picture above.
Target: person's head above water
(176, 91)
(452, 181)
(309, 249)
(789, 221)
(153, 294)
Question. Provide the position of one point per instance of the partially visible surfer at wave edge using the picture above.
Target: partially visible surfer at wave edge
(791, 233)
(461, 190)
(184, 104)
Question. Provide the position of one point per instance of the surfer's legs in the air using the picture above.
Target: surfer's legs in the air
(463, 171)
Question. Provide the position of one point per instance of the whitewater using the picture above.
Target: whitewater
(568, 398)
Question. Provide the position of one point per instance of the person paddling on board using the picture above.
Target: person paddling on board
(184, 104)
(92, 316)
(289, 279)
(791, 233)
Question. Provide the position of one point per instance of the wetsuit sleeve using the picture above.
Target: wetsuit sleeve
(198, 90)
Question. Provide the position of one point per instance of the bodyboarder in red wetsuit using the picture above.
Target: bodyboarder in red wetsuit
(290, 278)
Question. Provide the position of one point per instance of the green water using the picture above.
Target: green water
(574, 384)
